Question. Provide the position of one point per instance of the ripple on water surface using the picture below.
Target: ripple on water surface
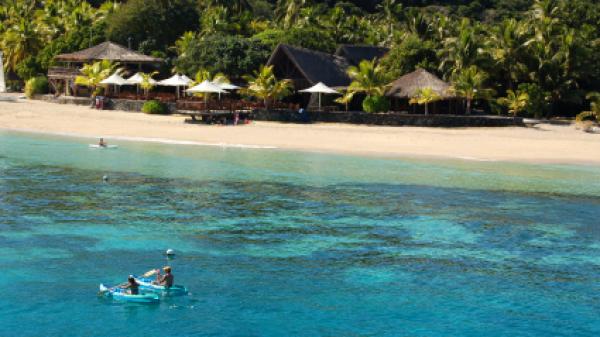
(275, 243)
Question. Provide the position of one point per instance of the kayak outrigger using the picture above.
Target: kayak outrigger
(120, 294)
(147, 284)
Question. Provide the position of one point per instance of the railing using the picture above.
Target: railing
(60, 72)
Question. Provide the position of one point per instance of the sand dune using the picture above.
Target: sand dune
(543, 144)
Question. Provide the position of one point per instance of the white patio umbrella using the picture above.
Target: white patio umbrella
(225, 86)
(137, 79)
(185, 78)
(175, 81)
(320, 88)
(114, 79)
(206, 87)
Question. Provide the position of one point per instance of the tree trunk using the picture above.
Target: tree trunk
(426, 109)
(468, 106)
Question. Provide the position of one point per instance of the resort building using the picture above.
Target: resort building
(401, 90)
(62, 78)
(305, 67)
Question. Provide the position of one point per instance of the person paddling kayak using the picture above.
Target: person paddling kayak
(166, 280)
(132, 285)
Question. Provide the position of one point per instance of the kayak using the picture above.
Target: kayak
(119, 294)
(147, 285)
(107, 147)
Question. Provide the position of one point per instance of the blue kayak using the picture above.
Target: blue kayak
(122, 295)
(147, 285)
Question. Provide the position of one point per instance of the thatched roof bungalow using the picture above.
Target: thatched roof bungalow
(408, 85)
(307, 67)
(108, 51)
(72, 62)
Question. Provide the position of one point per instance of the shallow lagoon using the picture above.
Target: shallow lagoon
(276, 243)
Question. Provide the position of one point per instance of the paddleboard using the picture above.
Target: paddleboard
(107, 147)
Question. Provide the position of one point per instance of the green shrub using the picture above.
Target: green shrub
(154, 107)
(35, 86)
(376, 104)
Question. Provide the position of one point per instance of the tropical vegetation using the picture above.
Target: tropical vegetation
(549, 49)
(425, 96)
(265, 86)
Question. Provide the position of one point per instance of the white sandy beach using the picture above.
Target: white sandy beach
(543, 144)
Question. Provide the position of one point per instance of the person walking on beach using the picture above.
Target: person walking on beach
(167, 279)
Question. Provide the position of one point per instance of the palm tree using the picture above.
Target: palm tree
(93, 74)
(288, 11)
(469, 83)
(506, 45)
(346, 98)
(460, 51)
(425, 96)
(514, 101)
(369, 77)
(594, 112)
(265, 86)
(21, 37)
(237, 6)
(147, 84)
(388, 15)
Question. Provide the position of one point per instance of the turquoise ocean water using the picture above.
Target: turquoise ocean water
(277, 243)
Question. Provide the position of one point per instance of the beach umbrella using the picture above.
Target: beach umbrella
(320, 88)
(225, 86)
(206, 87)
(114, 79)
(175, 81)
(137, 79)
(185, 78)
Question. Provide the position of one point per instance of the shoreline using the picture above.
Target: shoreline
(544, 144)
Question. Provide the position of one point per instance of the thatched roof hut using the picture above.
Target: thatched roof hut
(107, 51)
(307, 67)
(356, 53)
(408, 85)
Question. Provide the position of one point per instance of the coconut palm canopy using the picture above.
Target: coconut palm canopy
(411, 84)
(107, 51)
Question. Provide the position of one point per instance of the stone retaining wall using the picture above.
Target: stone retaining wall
(111, 104)
(351, 117)
(389, 119)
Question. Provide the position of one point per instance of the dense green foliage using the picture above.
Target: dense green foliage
(233, 56)
(376, 104)
(546, 49)
(151, 24)
(154, 107)
(36, 86)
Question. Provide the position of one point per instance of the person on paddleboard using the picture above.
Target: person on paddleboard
(132, 285)
(102, 143)
(166, 280)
